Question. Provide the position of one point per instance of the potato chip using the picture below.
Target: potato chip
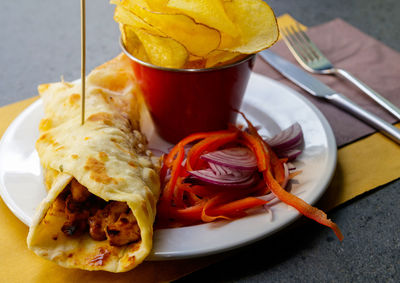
(195, 62)
(218, 57)
(132, 43)
(163, 51)
(208, 12)
(157, 5)
(203, 33)
(198, 39)
(125, 16)
(257, 25)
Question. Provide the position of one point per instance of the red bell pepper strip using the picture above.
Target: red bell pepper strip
(212, 202)
(299, 204)
(233, 196)
(258, 149)
(192, 199)
(237, 206)
(177, 152)
(207, 145)
(202, 191)
(189, 213)
(189, 139)
(276, 163)
(176, 168)
(175, 217)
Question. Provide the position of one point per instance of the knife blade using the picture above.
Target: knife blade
(319, 89)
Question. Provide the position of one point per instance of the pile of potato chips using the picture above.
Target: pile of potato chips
(195, 33)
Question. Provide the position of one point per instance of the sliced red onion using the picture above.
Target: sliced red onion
(167, 176)
(267, 197)
(288, 138)
(291, 166)
(239, 179)
(183, 162)
(269, 212)
(296, 144)
(218, 170)
(209, 175)
(235, 157)
(285, 181)
(289, 154)
(222, 170)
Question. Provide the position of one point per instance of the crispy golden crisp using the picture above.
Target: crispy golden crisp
(163, 51)
(212, 32)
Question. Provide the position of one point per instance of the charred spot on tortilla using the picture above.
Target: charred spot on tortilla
(103, 156)
(47, 138)
(103, 95)
(43, 87)
(98, 171)
(132, 164)
(84, 212)
(117, 145)
(106, 118)
(74, 99)
(45, 124)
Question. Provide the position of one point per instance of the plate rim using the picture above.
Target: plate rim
(9, 202)
(159, 256)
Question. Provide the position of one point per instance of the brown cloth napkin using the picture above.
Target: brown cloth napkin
(368, 59)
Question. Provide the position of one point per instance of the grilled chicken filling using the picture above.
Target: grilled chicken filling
(85, 212)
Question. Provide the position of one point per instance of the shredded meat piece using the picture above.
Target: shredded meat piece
(77, 215)
(57, 208)
(116, 223)
(86, 212)
(122, 226)
(97, 224)
(79, 192)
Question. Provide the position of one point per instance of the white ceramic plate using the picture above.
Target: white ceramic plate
(266, 103)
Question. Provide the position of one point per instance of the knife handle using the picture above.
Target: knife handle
(374, 121)
(395, 111)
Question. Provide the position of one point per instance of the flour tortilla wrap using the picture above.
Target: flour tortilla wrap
(107, 155)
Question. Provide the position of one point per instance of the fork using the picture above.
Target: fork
(311, 58)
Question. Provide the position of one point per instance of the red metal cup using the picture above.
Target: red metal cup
(186, 101)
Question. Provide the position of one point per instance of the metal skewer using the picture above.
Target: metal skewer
(83, 58)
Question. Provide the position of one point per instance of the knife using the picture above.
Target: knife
(319, 89)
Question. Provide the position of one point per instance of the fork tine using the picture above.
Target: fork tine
(291, 41)
(303, 43)
(311, 46)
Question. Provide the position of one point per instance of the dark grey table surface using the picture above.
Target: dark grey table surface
(40, 41)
